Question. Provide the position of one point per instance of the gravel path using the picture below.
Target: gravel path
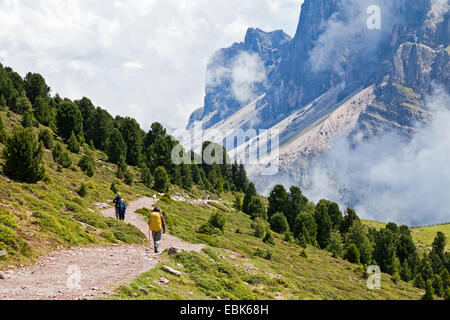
(86, 273)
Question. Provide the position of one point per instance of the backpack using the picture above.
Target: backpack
(122, 207)
(155, 222)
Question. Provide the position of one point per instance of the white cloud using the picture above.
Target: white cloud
(148, 54)
(247, 71)
(391, 179)
(133, 65)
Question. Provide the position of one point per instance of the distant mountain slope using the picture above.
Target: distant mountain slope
(333, 58)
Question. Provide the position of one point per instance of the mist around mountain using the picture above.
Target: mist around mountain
(362, 84)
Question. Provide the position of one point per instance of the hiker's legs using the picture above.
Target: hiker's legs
(122, 216)
(157, 236)
(117, 213)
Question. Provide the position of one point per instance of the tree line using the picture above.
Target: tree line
(323, 225)
(83, 127)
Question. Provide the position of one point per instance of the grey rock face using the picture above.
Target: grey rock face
(334, 49)
(261, 48)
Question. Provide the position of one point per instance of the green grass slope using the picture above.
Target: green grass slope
(238, 265)
(38, 218)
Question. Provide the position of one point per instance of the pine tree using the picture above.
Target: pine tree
(69, 119)
(175, 176)
(132, 135)
(3, 133)
(242, 179)
(73, 144)
(197, 179)
(22, 104)
(99, 128)
(2, 102)
(43, 111)
(256, 208)
(250, 193)
(336, 244)
(384, 252)
(23, 156)
(323, 222)
(277, 200)
(335, 215)
(238, 202)
(359, 236)
(122, 168)
(28, 119)
(352, 254)
(278, 223)
(46, 137)
(161, 180)
(147, 177)
(406, 273)
(350, 217)
(295, 204)
(116, 147)
(428, 291)
(186, 175)
(305, 227)
(35, 87)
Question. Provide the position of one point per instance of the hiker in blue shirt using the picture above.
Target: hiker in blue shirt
(116, 201)
(122, 210)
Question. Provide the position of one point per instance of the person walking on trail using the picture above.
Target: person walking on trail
(122, 210)
(116, 202)
(157, 227)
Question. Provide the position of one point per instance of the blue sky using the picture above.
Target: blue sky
(140, 58)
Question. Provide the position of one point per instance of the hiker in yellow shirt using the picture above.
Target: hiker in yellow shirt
(157, 227)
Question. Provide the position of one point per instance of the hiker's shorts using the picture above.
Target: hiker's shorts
(157, 237)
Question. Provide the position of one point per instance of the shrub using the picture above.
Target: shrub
(303, 254)
(7, 220)
(113, 188)
(279, 223)
(352, 254)
(207, 229)
(395, 278)
(288, 237)
(128, 178)
(46, 137)
(83, 190)
(217, 220)
(109, 236)
(91, 185)
(87, 165)
(260, 227)
(127, 233)
(61, 156)
(269, 238)
(23, 156)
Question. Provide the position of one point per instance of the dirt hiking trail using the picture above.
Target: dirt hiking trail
(88, 272)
